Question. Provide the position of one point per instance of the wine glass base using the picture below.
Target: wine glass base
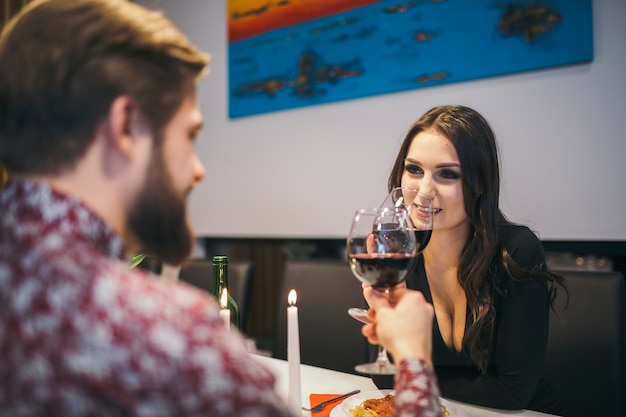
(359, 314)
(377, 368)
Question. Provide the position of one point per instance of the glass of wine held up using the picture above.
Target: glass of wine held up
(382, 248)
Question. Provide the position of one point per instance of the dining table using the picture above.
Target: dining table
(315, 380)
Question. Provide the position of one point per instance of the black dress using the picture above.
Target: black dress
(513, 379)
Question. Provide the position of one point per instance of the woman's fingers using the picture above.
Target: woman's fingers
(370, 243)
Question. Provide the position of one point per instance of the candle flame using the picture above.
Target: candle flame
(292, 298)
(224, 298)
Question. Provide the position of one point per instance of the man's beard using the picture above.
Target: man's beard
(158, 219)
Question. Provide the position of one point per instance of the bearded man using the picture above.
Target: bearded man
(98, 117)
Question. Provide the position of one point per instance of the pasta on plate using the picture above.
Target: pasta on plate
(381, 407)
(356, 405)
(374, 407)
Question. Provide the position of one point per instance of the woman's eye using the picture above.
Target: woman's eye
(413, 169)
(450, 175)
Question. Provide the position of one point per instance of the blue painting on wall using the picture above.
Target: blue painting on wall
(378, 47)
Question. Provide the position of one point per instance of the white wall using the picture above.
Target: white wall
(301, 173)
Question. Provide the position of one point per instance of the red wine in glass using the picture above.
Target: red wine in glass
(381, 271)
(386, 270)
(382, 251)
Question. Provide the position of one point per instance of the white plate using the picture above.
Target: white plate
(343, 409)
(453, 409)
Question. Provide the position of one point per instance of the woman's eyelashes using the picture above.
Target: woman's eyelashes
(450, 174)
(446, 174)
(413, 169)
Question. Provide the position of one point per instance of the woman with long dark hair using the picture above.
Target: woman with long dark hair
(486, 277)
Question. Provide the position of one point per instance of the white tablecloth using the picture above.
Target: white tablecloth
(321, 381)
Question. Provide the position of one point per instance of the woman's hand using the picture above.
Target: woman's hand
(370, 243)
(401, 321)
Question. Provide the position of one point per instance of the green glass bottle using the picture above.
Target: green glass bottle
(220, 282)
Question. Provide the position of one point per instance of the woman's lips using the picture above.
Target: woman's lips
(428, 210)
(425, 212)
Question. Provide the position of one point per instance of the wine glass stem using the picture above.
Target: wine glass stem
(382, 359)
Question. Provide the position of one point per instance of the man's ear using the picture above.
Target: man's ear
(119, 131)
(124, 115)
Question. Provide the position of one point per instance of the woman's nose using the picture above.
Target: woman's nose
(426, 188)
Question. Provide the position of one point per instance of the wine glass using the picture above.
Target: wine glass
(382, 247)
(420, 209)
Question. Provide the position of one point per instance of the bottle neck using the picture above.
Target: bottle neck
(220, 276)
(220, 282)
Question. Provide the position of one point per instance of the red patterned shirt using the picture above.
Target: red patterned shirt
(417, 392)
(82, 334)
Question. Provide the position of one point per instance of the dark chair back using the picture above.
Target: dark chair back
(586, 355)
(199, 272)
(329, 337)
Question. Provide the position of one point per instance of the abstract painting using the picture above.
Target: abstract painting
(285, 54)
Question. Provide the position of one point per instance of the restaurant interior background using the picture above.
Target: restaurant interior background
(283, 185)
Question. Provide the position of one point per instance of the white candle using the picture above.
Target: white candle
(224, 311)
(294, 398)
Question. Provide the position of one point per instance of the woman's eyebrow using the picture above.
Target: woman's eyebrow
(442, 165)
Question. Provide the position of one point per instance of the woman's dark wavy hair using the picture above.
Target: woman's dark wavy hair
(476, 147)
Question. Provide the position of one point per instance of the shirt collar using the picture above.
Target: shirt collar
(27, 200)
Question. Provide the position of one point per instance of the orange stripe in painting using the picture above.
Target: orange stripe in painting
(260, 18)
